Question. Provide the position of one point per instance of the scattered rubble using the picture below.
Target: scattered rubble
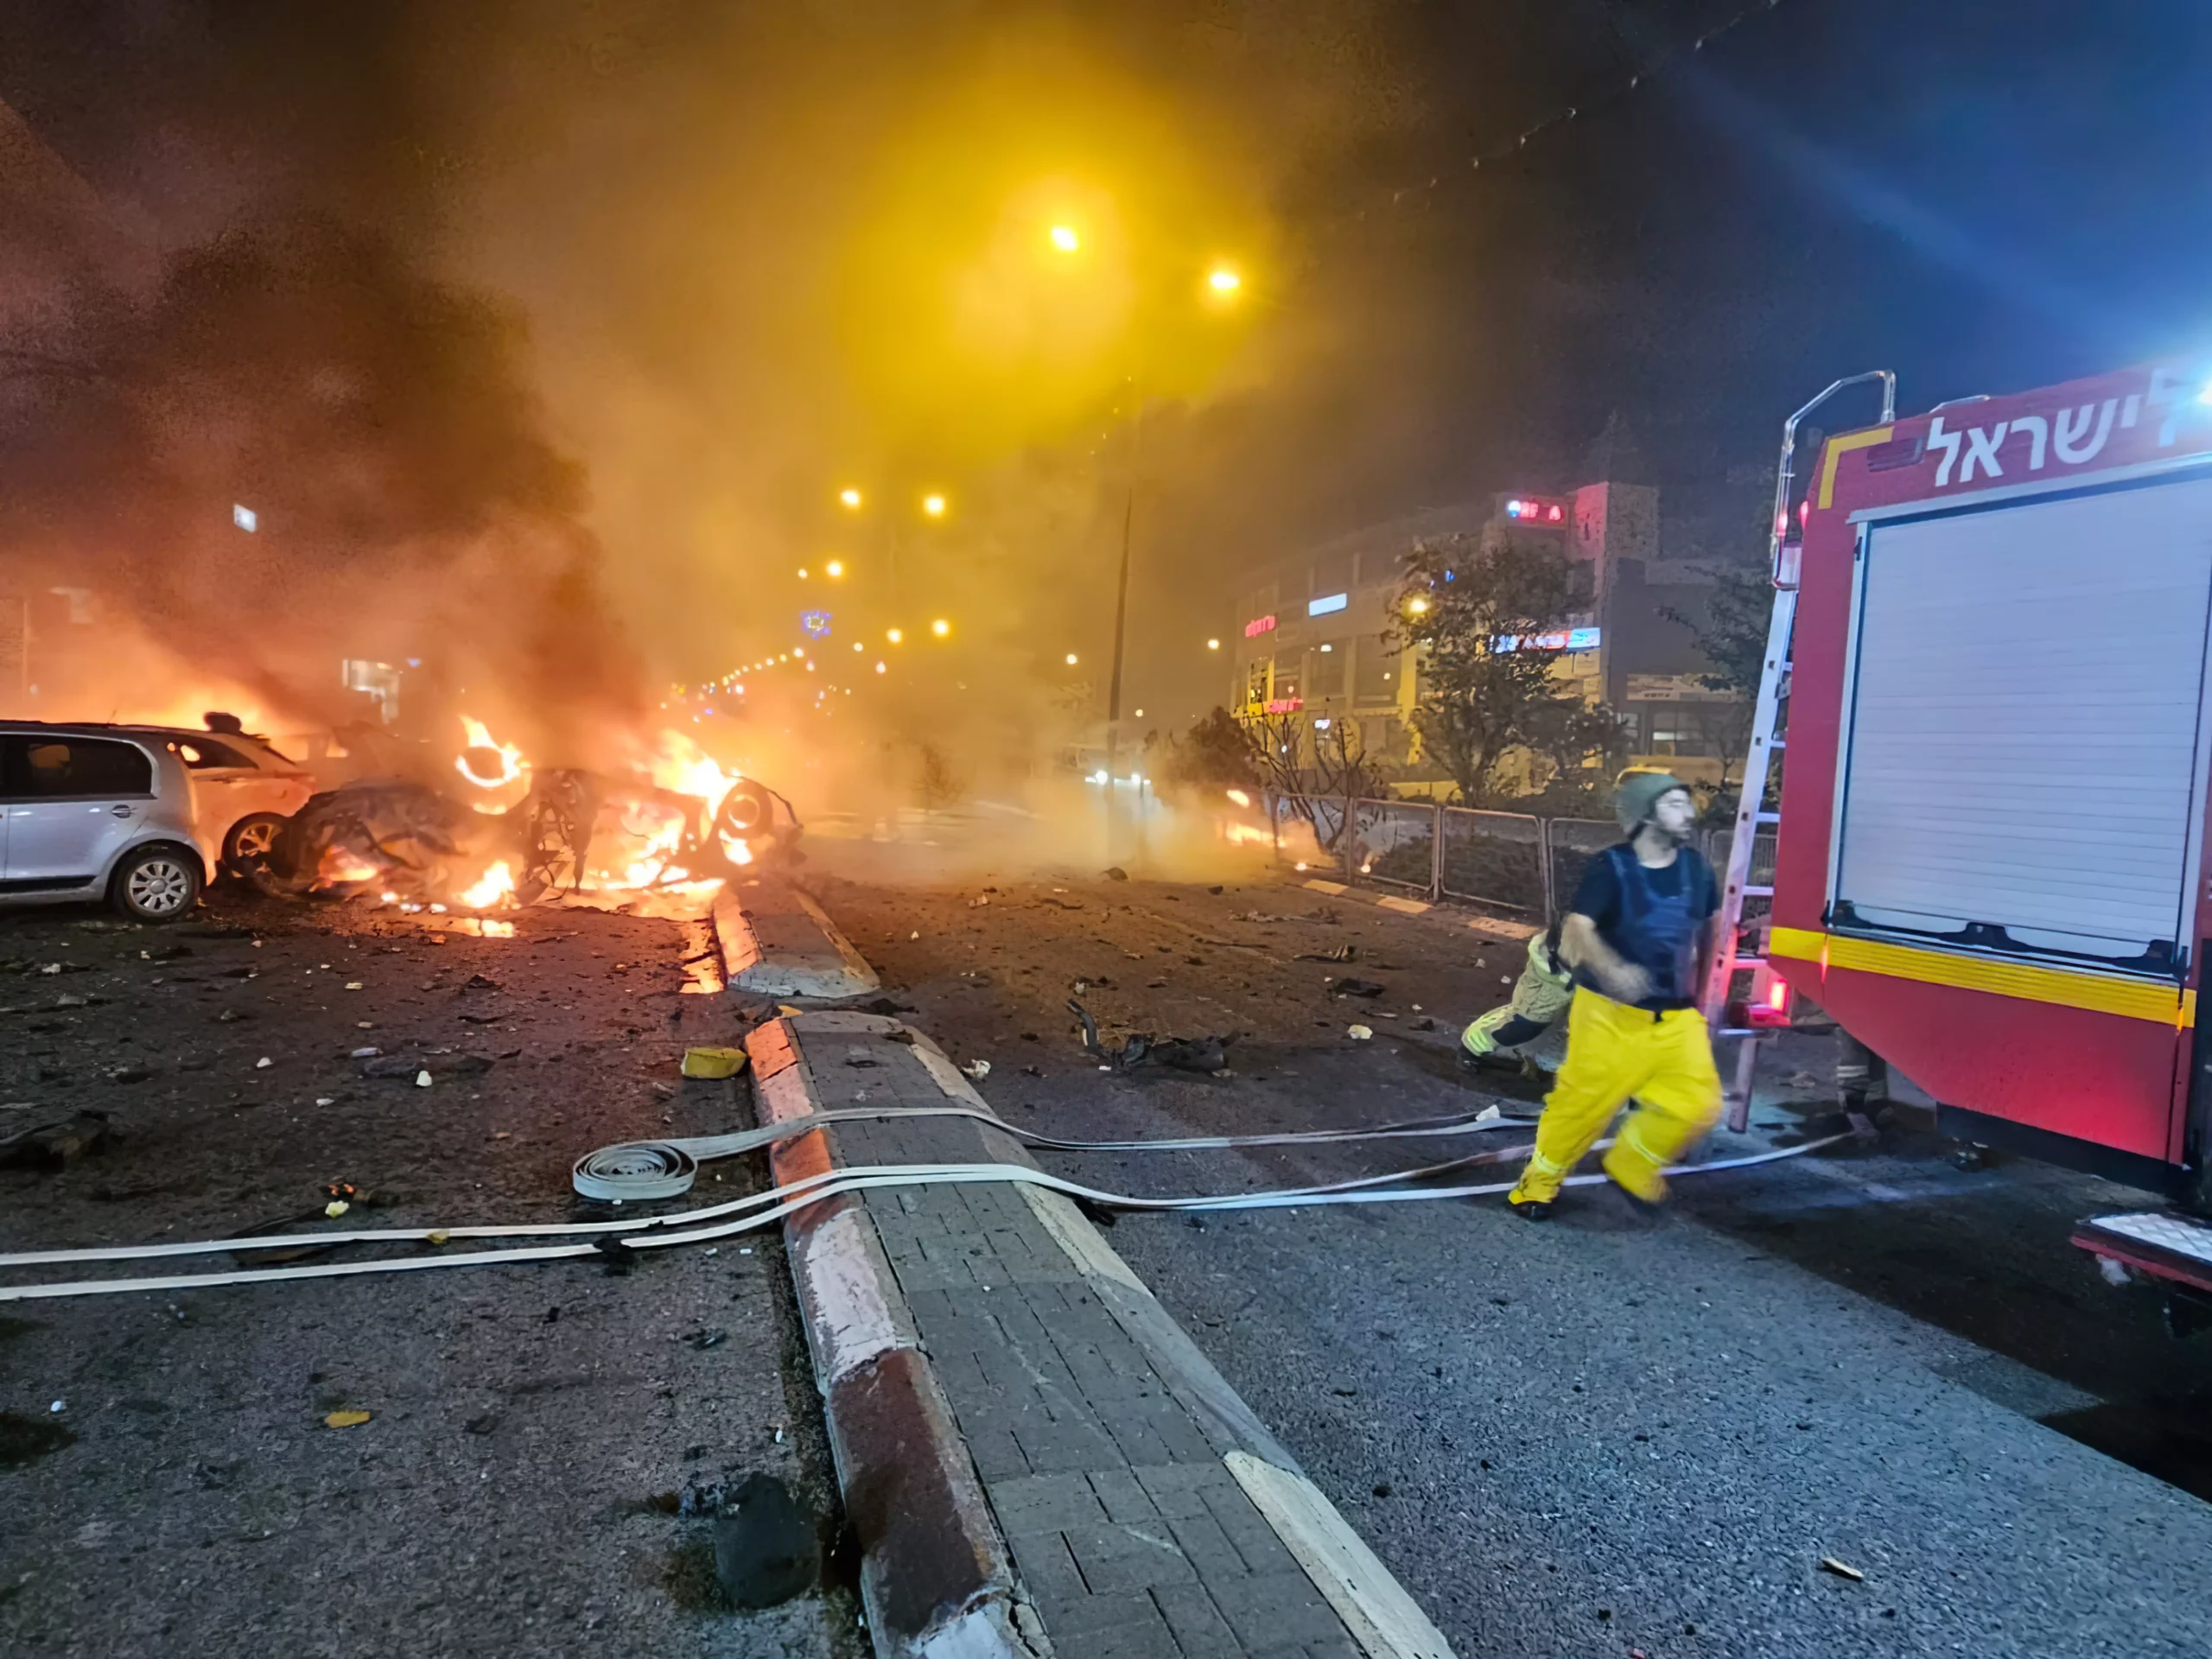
(1206, 1054)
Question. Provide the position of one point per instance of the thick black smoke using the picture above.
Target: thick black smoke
(382, 427)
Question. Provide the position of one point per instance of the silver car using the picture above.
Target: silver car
(91, 811)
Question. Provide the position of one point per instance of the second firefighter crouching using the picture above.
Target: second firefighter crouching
(1517, 1036)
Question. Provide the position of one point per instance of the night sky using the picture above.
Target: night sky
(738, 238)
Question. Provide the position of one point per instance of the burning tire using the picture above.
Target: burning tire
(156, 884)
(251, 839)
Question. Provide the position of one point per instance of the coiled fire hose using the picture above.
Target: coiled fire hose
(749, 1214)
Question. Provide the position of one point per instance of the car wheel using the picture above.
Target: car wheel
(156, 884)
(251, 839)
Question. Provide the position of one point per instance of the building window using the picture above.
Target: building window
(1324, 669)
(1375, 670)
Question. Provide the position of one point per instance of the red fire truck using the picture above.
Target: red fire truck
(1991, 862)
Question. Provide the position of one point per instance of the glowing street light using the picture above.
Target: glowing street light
(1223, 279)
(881, 669)
(802, 573)
(1213, 645)
(835, 567)
(933, 505)
(1066, 239)
(896, 636)
(1417, 605)
(940, 627)
(1070, 660)
(850, 498)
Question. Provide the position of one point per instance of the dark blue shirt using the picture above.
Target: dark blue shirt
(1654, 918)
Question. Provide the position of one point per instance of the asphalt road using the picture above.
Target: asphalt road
(168, 1484)
(1591, 1437)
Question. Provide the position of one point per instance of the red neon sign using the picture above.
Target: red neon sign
(1535, 510)
(1286, 705)
(1258, 626)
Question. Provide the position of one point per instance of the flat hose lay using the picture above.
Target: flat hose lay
(746, 1215)
(637, 1172)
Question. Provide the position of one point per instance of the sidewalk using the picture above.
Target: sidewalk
(1146, 1509)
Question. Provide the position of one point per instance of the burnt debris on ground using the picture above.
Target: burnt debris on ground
(206, 1080)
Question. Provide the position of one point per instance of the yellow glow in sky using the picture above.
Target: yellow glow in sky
(933, 505)
(940, 627)
(850, 498)
(1066, 239)
(836, 567)
(1224, 281)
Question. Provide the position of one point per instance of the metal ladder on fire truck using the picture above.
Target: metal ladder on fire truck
(1768, 741)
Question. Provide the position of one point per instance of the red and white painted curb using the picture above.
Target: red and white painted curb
(936, 1577)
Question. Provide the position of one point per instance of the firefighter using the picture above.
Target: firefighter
(1634, 936)
(1506, 1038)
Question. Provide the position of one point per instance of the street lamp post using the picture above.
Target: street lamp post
(1224, 283)
(1122, 588)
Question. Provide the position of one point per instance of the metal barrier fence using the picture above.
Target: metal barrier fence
(1394, 842)
(1494, 858)
(1569, 845)
(1509, 860)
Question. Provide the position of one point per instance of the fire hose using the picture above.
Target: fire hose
(739, 1215)
(638, 1171)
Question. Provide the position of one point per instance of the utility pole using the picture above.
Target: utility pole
(1121, 589)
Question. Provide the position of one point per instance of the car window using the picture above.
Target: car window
(201, 753)
(64, 767)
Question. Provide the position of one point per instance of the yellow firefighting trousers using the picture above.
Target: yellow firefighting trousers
(1613, 1052)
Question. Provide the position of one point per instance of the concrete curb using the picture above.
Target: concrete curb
(776, 941)
(936, 1577)
(936, 1574)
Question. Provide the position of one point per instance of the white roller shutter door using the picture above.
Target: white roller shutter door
(2022, 742)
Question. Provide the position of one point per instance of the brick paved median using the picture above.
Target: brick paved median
(1109, 1449)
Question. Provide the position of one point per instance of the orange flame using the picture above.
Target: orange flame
(480, 737)
(495, 886)
(675, 762)
(340, 866)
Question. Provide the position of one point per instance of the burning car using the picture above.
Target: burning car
(517, 835)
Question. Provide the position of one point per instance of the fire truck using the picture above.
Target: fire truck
(1989, 860)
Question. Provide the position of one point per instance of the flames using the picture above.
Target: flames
(675, 762)
(340, 868)
(495, 887)
(666, 823)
